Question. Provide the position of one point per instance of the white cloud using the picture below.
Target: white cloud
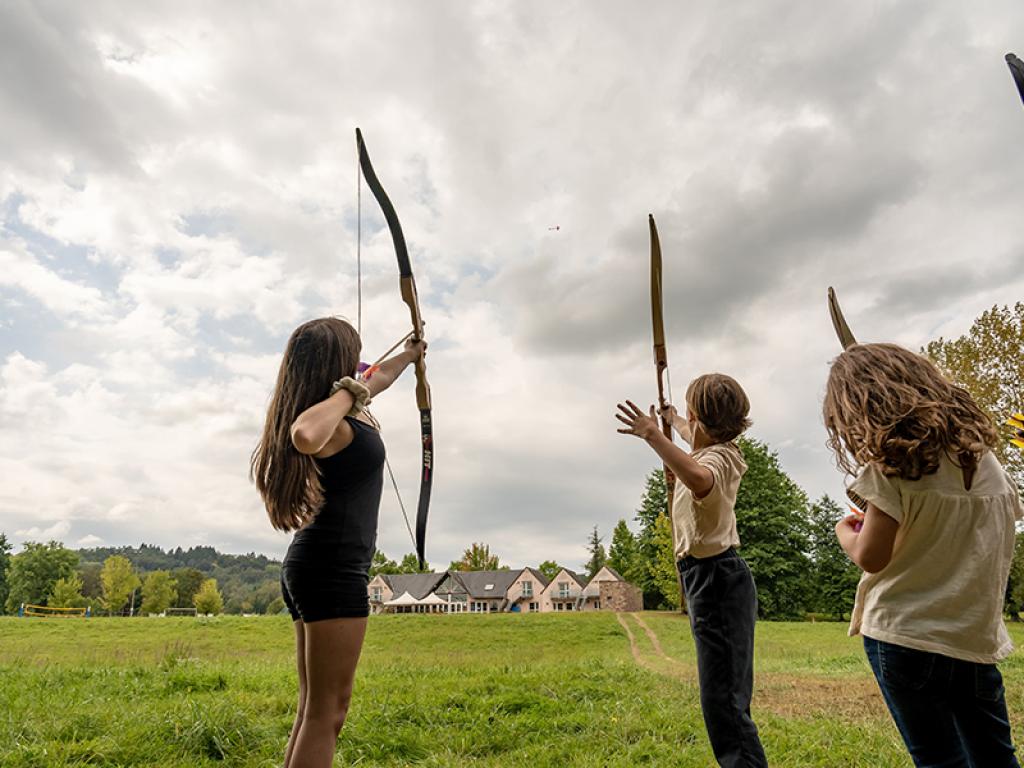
(208, 196)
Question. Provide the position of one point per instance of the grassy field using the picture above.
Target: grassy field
(466, 690)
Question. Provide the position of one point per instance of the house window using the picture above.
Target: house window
(563, 589)
(534, 607)
(527, 588)
(375, 593)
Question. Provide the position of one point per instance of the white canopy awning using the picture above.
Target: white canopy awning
(403, 599)
(433, 599)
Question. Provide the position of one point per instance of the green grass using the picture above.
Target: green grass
(478, 691)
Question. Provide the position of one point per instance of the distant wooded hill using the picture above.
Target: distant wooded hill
(249, 583)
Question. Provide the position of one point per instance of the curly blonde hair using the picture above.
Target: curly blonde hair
(886, 405)
(720, 405)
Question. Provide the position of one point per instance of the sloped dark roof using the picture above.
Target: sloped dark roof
(581, 580)
(476, 582)
(419, 585)
(544, 580)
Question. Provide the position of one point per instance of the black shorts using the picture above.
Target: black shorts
(318, 594)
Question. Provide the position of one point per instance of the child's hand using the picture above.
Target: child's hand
(416, 349)
(853, 522)
(636, 422)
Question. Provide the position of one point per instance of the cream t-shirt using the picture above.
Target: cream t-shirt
(706, 527)
(943, 589)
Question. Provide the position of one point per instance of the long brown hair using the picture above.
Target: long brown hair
(318, 353)
(720, 405)
(886, 405)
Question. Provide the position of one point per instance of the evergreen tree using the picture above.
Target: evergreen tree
(623, 554)
(598, 557)
(834, 575)
(771, 515)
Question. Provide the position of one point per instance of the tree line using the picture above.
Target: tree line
(788, 541)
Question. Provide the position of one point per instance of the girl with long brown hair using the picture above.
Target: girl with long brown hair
(935, 545)
(319, 468)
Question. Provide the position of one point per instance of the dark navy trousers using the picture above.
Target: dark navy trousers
(722, 603)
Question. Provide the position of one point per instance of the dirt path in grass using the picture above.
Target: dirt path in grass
(633, 647)
(653, 637)
(785, 695)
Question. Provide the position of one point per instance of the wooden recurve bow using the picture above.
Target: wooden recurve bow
(407, 285)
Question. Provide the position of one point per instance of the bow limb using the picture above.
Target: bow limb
(1017, 70)
(407, 285)
(660, 355)
(839, 322)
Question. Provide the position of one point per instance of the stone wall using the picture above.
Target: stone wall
(620, 596)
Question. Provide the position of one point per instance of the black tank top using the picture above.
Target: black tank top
(343, 534)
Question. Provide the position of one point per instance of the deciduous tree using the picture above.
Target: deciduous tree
(67, 593)
(771, 515)
(833, 575)
(208, 600)
(119, 581)
(35, 570)
(549, 568)
(477, 558)
(988, 361)
(159, 592)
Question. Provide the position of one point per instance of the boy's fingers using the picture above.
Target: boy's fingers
(624, 420)
(636, 410)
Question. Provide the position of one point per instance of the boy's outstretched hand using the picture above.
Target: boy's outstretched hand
(638, 424)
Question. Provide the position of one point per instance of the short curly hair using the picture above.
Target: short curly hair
(887, 405)
(720, 405)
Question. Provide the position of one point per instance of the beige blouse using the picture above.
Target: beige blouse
(943, 589)
(706, 527)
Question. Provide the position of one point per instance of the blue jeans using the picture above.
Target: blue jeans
(950, 713)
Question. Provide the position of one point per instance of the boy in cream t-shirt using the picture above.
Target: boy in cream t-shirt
(718, 585)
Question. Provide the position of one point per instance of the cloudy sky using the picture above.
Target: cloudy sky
(178, 191)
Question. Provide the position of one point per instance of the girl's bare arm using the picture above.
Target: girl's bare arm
(871, 548)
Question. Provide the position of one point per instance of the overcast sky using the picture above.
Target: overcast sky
(178, 192)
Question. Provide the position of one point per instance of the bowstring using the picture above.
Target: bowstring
(359, 330)
(359, 247)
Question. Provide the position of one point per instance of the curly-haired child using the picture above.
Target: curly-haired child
(935, 547)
